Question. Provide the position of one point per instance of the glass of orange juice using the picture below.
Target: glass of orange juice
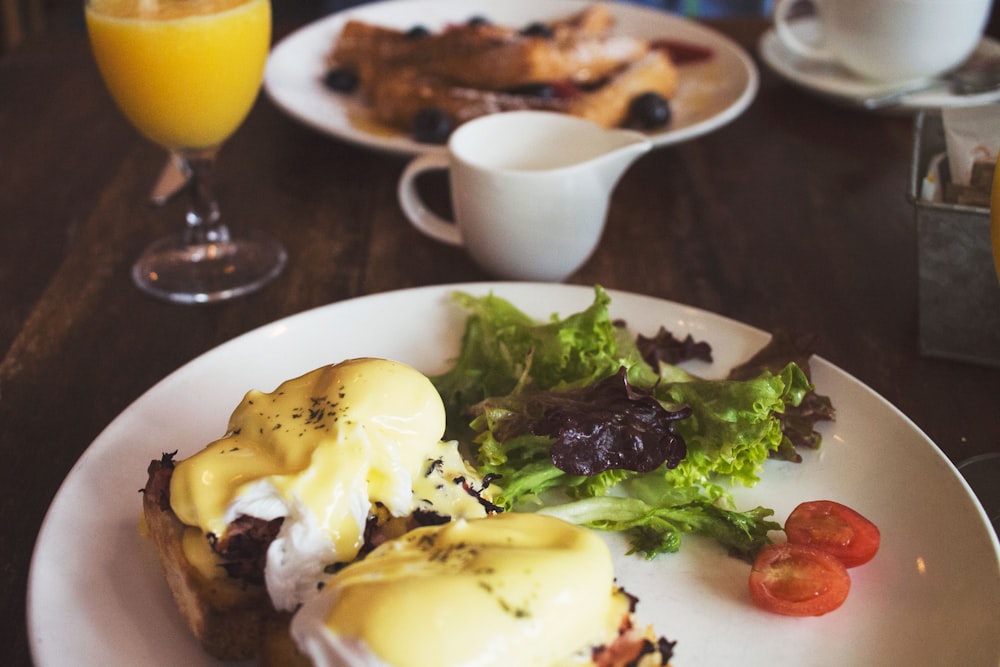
(186, 73)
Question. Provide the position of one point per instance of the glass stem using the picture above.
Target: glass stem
(204, 222)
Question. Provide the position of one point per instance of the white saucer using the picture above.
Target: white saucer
(834, 81)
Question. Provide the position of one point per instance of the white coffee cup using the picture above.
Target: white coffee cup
(888, 40)
(529, 190)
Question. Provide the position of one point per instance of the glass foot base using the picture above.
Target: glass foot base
(174, 270)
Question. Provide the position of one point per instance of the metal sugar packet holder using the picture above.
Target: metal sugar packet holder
(958, 291)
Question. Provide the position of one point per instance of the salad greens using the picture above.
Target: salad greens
(581, 419)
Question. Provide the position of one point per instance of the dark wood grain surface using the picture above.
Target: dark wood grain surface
(794, 215)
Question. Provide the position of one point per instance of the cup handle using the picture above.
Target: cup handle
(812, 51)
(421, 217)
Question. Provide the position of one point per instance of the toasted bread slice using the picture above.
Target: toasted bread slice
(486, 56)
(278, 649)
(396, 97)
(532, 60)
(608, 105)
(478, 68)
(359, 41)
(227, 615)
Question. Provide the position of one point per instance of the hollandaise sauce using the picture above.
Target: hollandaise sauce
(513, 589)
(321, 451)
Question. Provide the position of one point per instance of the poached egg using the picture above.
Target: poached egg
(512, 589)
(324, 451)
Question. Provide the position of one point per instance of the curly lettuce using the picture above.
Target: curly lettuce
(500, 341)
(562, 412)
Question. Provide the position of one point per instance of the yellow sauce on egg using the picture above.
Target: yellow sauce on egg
(512, 589)
(329, 444)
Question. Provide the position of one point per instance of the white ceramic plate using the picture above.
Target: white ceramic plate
(834, 81)
(931, 596)
(710, 94)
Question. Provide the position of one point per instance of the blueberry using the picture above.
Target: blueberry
(649, 111)
(478, 19)
(432, 126)
(417, 32)
(537, 29)
(341, 79)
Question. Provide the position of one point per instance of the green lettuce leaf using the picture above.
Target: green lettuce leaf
(734, 426)
(501, 343)
(656, 529)
(511, 369)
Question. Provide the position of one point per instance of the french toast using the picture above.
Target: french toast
(575, 65)
(398, 96)
(609, 104)
(483, 55)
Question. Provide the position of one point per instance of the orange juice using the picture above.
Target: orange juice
(184, 73)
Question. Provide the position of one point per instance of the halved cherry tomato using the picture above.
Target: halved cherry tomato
(836, 529)
(798, 580)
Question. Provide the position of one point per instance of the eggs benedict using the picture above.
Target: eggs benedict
(513, 589)
(306, 479)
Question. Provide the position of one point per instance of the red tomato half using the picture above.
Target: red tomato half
(798, 580)
(834, 528)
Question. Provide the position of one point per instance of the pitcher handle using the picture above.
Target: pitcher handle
(792, 41)
(421, 217)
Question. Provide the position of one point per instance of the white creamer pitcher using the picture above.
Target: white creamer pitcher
(530, 190)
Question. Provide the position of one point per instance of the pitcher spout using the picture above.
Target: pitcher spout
(624, 148)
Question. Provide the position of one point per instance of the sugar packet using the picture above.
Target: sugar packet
(972, 139)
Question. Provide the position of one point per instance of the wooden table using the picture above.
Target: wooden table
(794, 215)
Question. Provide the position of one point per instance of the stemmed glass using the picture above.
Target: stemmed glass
(186, 73)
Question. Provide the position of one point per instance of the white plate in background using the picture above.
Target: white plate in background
(710, 94)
